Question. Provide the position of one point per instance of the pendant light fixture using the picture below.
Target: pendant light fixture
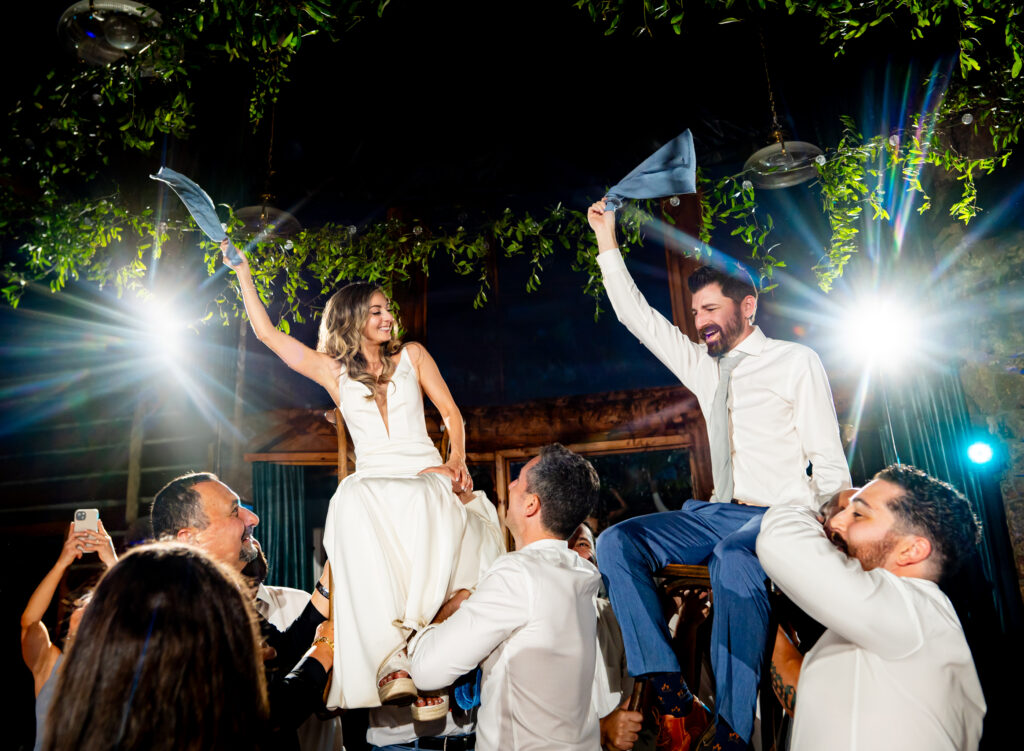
(265, 221)
(782, 163)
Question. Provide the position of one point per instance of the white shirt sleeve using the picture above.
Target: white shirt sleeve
(612, 682)
(867, 608)
(443, 652)
(662, 337)
(814, 417)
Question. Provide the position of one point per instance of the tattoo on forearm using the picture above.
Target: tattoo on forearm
(785, 692)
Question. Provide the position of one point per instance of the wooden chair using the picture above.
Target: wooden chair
(692, 654)
(678, 577)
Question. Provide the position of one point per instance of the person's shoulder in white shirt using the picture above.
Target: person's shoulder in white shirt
(282, 605)
(893, 670)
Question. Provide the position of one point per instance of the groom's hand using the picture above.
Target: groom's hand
(602, 221)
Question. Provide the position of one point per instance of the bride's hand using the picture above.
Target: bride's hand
(462, 480)
(457, 471)
(241, 253)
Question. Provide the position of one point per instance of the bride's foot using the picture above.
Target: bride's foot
(392, 677)
(393, 680)
(429, 701)
(430, 705)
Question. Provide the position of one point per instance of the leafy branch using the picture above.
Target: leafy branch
(76, 123)
(984, 94)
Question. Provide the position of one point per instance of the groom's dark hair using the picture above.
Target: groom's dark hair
(733, 287)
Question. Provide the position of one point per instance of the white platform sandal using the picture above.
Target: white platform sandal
(396, 689)
(431, 711)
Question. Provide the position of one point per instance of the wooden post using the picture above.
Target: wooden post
(501, 491)
(339, 424)
(495, 282)
(680, 236)
(235, 469)
(135, 437)
(410, 296)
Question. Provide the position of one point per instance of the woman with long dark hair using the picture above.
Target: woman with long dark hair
(396, 533)
(165, 658)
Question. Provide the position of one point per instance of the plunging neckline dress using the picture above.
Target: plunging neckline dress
(398, 542)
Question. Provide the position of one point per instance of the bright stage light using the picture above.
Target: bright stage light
(980, 452)
(162, 327)
(880, 331)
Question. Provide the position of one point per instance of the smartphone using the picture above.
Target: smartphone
(86, 520)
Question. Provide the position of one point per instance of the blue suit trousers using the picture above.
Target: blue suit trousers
(722, 536)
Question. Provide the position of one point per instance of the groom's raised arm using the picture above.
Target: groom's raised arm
(662, 337)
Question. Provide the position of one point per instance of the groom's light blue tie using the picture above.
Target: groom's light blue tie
(719, 433)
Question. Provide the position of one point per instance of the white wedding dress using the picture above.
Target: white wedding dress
(399, 543)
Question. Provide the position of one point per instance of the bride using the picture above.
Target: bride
(399, 540)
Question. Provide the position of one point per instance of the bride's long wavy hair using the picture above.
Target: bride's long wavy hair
(341, 334)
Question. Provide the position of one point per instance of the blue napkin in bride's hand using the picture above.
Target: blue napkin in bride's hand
(669, 171)
(200, 206)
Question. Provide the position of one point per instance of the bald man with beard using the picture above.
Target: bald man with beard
(198, 509)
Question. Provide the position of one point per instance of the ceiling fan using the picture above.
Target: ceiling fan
(103, 31)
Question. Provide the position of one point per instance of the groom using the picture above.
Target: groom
(769, 414)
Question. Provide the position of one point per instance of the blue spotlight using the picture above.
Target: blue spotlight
(980, 452)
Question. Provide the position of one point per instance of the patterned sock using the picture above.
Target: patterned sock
(726, 738)
(671, 696)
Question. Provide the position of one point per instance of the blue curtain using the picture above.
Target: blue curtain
(279, 496)
(931, 429)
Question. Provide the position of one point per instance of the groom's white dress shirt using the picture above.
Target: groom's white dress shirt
(781, 406)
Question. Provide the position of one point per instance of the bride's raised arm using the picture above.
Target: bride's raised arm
(314, 365)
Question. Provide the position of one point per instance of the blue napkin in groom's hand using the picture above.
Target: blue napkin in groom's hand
(669, 171)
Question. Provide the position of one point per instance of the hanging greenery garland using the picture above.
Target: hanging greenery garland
(63, 139)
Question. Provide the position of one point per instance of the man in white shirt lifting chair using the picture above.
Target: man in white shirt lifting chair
(893, 669)
(530, 623)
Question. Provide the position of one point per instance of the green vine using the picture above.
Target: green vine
(986, 94)
(730, 202)
(77, 122)
(298, 274)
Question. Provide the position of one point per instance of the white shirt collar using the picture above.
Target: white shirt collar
(753, 345)
(547, 542)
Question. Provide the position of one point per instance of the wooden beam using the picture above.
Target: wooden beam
(666, 410)
(295, 457)
(584, 419)
(602, 448)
